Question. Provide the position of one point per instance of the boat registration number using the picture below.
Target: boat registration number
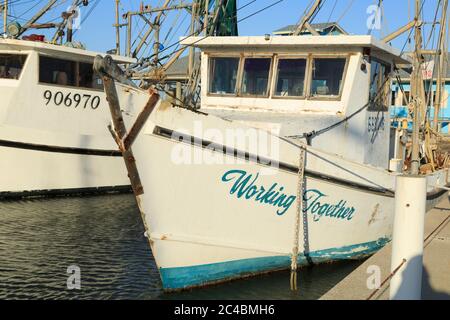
(70, 100)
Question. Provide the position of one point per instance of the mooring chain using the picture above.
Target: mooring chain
(300, 187)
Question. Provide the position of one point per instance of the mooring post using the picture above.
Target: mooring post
(408, 237)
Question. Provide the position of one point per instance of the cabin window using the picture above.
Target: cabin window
(57, 71)
(88, 78)
(291, 78)
(223, 75)
(327, 76)
(68, 73)
(379, 86)
(11, 66)
(255, 80)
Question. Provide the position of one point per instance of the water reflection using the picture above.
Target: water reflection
(104, 236)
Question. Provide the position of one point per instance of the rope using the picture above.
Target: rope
(300, 187)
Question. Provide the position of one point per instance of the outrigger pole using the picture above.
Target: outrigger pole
(36, 17)
(304, 23)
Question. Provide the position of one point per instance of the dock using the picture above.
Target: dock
(436, 258)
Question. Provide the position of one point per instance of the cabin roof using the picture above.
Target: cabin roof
(14, 44)
(316, 42)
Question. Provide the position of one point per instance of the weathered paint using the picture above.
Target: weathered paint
(184, 277)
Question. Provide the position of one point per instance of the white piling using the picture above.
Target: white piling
(408, 237)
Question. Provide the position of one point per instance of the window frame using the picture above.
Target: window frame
(273, 74)
(212, 56)
(344, 76)
(387, 85)
(277, 59)
(77, 67)
(15, 53)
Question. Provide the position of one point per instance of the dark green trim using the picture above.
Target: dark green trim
(56, 149)
(64, 192)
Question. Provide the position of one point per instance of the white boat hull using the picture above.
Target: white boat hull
(232, 218)
(35, 173)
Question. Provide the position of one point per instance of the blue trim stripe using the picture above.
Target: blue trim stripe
(185, 277)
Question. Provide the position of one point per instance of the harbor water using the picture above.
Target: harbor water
(104, 237)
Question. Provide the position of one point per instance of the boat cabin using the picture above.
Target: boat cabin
(57, 65)
(297, 85)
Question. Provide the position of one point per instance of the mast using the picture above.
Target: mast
(442, 57)
(129, 26)
(117, 28)
(155, 26)
(305, 21)
(65, 23)
(417, 91)
(206, 16)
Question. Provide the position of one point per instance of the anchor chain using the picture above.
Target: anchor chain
(300, 191)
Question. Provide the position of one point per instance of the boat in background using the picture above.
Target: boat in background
(53, 123)
(53, 114)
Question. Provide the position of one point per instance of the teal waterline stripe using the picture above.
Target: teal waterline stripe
(184, 277)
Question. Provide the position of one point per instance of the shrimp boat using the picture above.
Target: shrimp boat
(53, 112)
(291, 149)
